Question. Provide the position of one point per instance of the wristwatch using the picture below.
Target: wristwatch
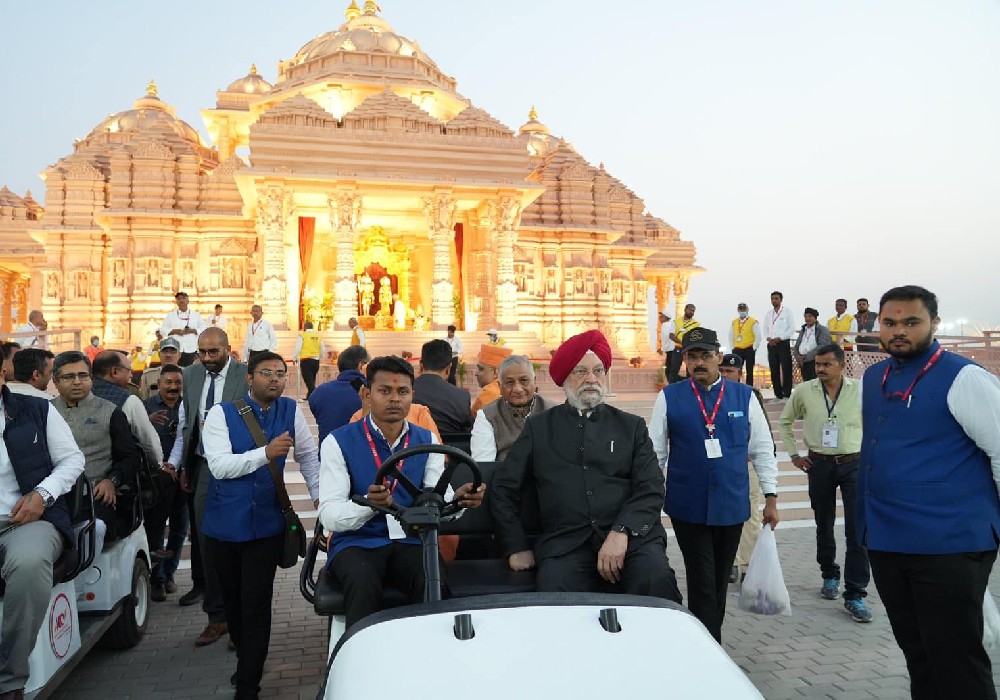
(47, 498)
(622, 529)
(770, 495)
(115, 481)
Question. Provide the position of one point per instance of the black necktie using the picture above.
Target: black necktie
(210, 398)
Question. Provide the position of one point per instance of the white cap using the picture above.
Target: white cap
(492, 331)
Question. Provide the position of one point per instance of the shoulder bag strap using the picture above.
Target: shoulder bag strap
(247, 414)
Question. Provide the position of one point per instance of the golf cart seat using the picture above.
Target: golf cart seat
(479, 568)
(462, 441)
(80, 501)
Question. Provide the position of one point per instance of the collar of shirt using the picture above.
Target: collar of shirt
(404, 431)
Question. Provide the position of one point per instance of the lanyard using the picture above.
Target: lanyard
(709, 420)
(775, 318)
(378, 460)
(254, 327)
(829, 406)
(905, 395)
(742, 323)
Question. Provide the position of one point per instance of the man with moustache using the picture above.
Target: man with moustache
(778, 331)
(929, 510)
(812, 335)
(164, 408)
(216, 378)
(744, 339)
(842, 326)
(498, 425)
(32, 373)
(866, 326)
(599, 489)
(830, 407)
(185, 324)
(170, 354)
(703, 431)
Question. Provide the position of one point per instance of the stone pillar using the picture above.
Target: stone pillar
(345, 220)
(273, 204)
(681, 283)
(504, 219)
(439, 209)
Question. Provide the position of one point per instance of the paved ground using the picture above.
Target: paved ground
(818, 652)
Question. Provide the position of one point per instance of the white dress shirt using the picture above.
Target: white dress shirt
(26, 389)
(666, 344)
(186, 319)
(260, 336)
(217, 320)
(760, 448)
(779, 324)
(337, 513)
(484, 440)
(808, 343)
(361, 334)
(34, 341)
(225, 465)
(456, 346)
(142, 428)
(67, 462)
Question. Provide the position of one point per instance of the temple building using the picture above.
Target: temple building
(359, 183)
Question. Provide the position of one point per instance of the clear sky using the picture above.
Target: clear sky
(826, 149)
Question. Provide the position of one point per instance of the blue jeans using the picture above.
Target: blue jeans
(163, 571)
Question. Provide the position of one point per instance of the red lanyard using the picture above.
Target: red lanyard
(905, 396)
(709, 420)
(378, 460)
(774, 319)
(254, 327)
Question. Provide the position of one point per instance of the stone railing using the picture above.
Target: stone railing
(58, 340)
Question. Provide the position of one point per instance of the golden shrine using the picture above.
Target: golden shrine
(360, 183)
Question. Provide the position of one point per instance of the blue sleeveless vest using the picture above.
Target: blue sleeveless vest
(924, 487)
(702, 490)
(361, 467)
(243, 509)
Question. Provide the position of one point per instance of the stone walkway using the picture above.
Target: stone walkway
(818, 652)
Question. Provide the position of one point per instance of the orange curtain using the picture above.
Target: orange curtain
(307, 232)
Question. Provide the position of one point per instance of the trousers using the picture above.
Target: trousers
(935, 607)
(749, 356)
(751, 528)
(27, 553)
(708, 551)
(365, 573)
(779, 359)
(211, 603)
(825, 478)
(310, 368)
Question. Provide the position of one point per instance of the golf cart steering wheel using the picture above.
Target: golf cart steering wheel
(390, 468)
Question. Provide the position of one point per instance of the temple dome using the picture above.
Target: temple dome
(537, 138)
(363, 31)
(147, 113)
(252, 83)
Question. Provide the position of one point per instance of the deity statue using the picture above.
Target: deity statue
(385, 297)
(398, 312)
(366, 294)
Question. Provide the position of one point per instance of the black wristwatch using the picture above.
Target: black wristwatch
(621, 528)
(770, 495)
(115, 481)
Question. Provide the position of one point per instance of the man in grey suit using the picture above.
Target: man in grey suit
(216, 378)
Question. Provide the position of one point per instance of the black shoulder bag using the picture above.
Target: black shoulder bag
(294, 545)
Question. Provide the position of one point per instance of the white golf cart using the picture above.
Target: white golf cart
(96, 598)
(510, 641)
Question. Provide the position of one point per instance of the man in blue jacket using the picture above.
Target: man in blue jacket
(39, 463)
(928, 510)
(333, 403)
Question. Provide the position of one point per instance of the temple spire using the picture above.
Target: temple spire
(353, 11)
(151, 89)
(253, 69)
(371, 7)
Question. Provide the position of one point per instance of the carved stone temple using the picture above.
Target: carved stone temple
(360, 177)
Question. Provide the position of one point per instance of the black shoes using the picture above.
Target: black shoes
(191, 597)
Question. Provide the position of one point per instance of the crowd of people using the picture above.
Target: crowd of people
(913, 447)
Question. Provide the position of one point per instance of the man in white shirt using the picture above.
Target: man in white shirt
(812, 335)
(111, 379)
(32, 373)
(260, 336)
(217, 319)
(778, 330)
(456, 352)
(34, 521)
(36, 322)
(186, 324)
(667, 344)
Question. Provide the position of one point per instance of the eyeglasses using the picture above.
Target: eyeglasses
(212, 352)
(268, 373)
(81, 376)
(582, 372)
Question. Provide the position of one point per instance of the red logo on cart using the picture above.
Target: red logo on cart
(61, 626)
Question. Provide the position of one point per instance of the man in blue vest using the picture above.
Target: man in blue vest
(928, 507)
(333, 403)
(39, 463)
(704, 430)
(369, 550)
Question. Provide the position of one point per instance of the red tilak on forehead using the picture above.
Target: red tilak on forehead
(899, 312)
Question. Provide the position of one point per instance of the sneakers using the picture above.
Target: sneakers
(830, 589)
(857, 609)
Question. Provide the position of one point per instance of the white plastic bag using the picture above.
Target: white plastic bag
(764, 590)
(991, 623)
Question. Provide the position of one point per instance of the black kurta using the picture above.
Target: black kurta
(590, 473)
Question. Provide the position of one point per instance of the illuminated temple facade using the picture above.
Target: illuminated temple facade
(359, 177)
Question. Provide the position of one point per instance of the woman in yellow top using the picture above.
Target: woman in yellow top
(138, 358)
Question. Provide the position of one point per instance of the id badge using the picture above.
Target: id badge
(713, 448)
(739, 339)
(395, 528)
(831, 436)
